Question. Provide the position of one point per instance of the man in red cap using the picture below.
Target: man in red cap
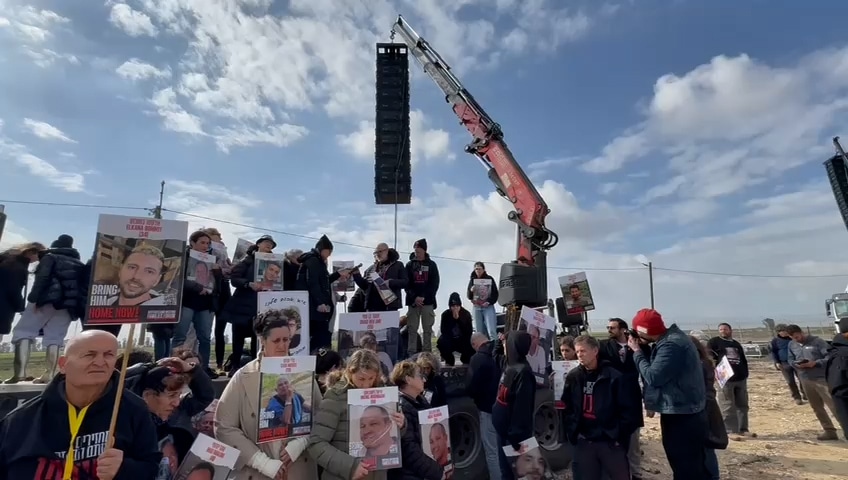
(674, 388)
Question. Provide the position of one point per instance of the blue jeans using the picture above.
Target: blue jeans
(485, 321)
(490, 445)
(711, 461)
(202, 321)
(161, 347)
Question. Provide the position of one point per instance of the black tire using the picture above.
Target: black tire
(547, 428)
(467, 453)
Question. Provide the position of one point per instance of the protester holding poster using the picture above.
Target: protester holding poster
(383, 281)
(290, 268)
(332, 429)
(541, 329)
(238, 415)
(268, 271)
(285, 397)
(377, 331)
(374, 436)
(137, 273)
(292, 307)
(483, 293)
(314, 277)
(240, 311)
(416, 463)
(576, 292)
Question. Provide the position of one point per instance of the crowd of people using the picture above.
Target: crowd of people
(642, 369)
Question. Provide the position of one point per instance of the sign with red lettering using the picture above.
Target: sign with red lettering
(435, 433)
(285, 397)
(209, 456)
(374, 435)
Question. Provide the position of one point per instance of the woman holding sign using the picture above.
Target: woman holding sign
(237, 421)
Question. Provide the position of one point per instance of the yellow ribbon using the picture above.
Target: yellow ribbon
(75, 421)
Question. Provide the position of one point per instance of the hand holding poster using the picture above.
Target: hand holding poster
(340, 285)
(137, 271)
(576, 293)
(435, 435)
(292, 307)
(541, 329)
(560, 371)
(374, 436)
(528, 462)
(285, 397)
(199, 269)
(208, 459)
(375, 331)
(268, 271)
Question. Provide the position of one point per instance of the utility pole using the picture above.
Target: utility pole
(157, 213)
(2, 220)
(651, 281)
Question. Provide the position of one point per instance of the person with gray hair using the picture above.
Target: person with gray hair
(290, 268)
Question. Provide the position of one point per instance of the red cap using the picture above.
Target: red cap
(648, 322)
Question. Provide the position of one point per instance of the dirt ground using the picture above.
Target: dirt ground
(785, 447)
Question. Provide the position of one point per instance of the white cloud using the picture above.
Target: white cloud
(132, 22)
(46, 131)
(67, 181)
(425, 144)
(34, 29)
(173, 115)
(136, 70)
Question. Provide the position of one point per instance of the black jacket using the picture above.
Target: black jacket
(290, 274)
(434, 386)
(57, 281)
(513, 412)
(416, 465)
(314, 278)
(241, 308)
(394, 273)
(836, 370)
(423, 280)
(720, 348)
(191, 290)
(41, 432)
(460, 328)
(493, 291)
(605, 412)
(481, 384)
(13, 278)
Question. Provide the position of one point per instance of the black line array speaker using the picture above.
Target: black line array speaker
(839, 184)
(392, 166)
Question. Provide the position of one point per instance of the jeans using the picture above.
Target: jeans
(712, 464)
(789, 375)
(490, 445)
(220, 340)
(733, 401)
(202, 321)
(485, 321)
(161, 347)
(683, 439)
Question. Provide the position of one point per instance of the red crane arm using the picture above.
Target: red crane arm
(488, 145)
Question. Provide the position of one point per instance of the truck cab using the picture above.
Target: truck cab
(836, 308)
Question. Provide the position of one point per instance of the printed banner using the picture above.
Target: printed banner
(220, 248)
(480, 290)
(294, 307)
(528, 463)
(339, 285)
(285, 397)
(376, 331)
(723, 372)
(435, 433)
(560, 371)
(576, 293)
(199, 269)
(208, 459)
(268, 271)
(137, 271)
(541, 328)
(383, 288)
(374, 436)
(241, 249)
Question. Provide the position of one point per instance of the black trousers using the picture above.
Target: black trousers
(601, 460)
(220, 340)
(683, 439)
(448, 346)
(240, 334)
(319, 335)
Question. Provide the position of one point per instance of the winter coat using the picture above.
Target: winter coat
(394, 273)
(423, 280)
(14, 273)
(482, 380)
(290, 274)
(780, 349)
(460, 328)
(492, 299)
(814, 349)
(191, 291)
(241, 308)
(836, 370)
(415, 464)
(512, 412)
(57, 281)
(314, 278)
(237, 424)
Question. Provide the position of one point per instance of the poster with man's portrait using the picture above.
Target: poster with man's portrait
(268, 271)
(285, 397)
(528, 462)
(199, 269)
(374, 437)
(576, 293)
(137, 271)
(208, 459)
(435, 436)
(375, 331)
(541, 328)
(293, 307)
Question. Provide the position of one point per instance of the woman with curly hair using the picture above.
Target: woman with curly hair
(435, 390)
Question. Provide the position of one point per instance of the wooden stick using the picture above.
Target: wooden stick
(120, 392)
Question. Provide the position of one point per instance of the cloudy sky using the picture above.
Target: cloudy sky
(693, 135)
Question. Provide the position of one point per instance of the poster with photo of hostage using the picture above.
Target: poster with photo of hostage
(241, 249)
(576, 293)
(294, 308)
(208, 459)
(374, 437)
(339, 285)
(481, 287)
(541, 328)
(375, 331)
(268, 271)
(560, 371)
(137, 271)
(435, 435)
(285, 397)
(199, 269)
(528, 463)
